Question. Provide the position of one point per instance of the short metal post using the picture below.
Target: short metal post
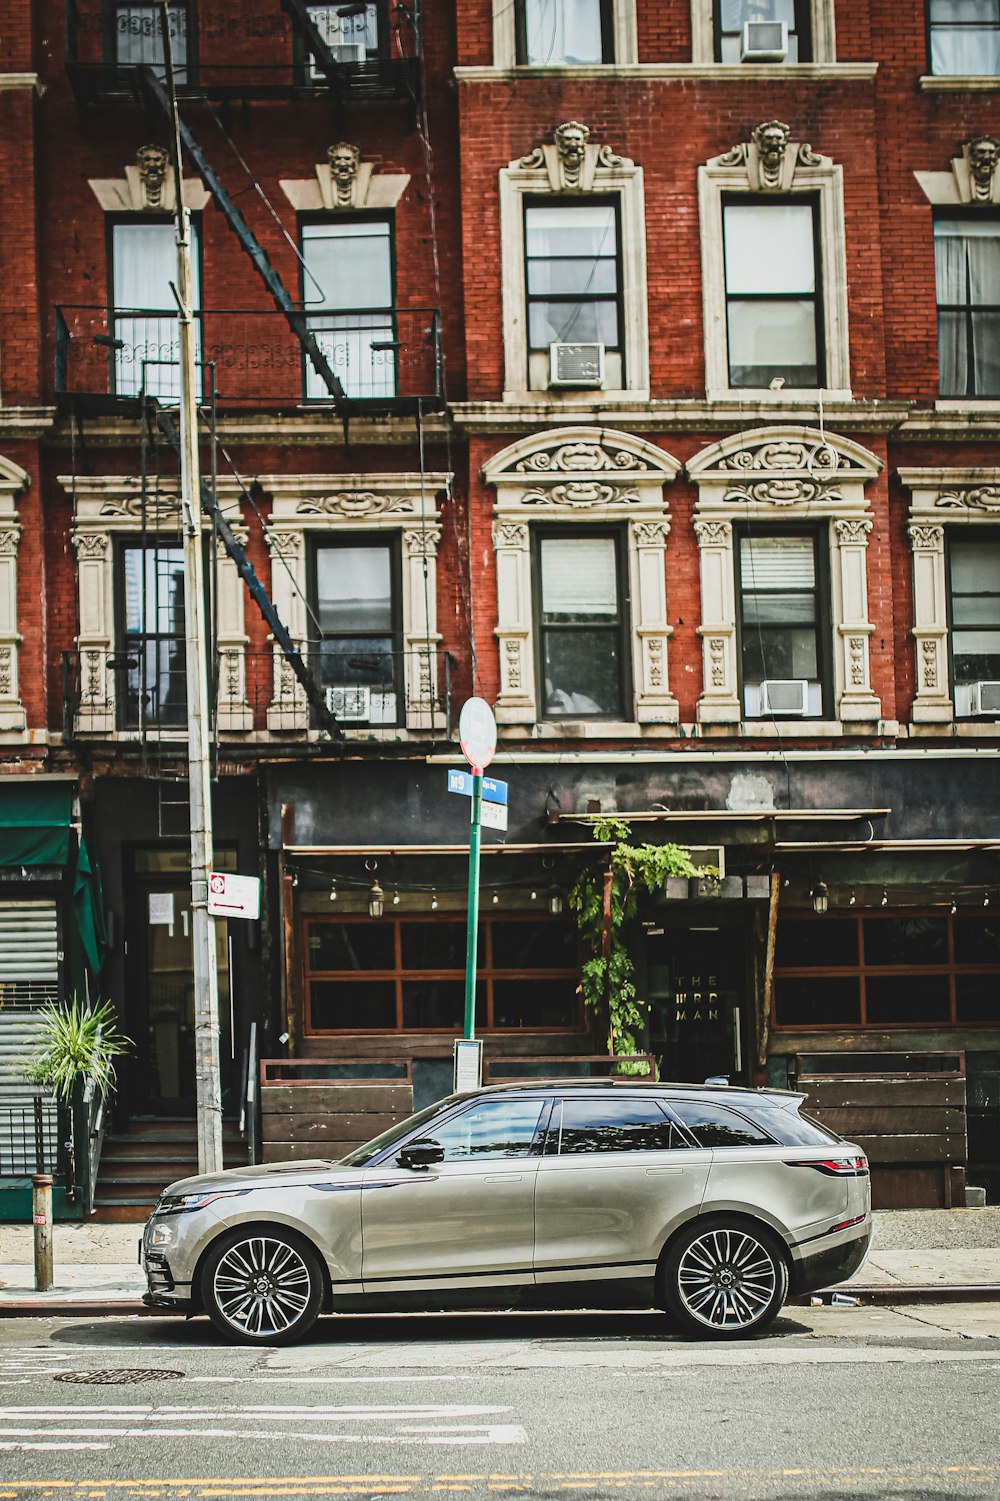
(41, 1219)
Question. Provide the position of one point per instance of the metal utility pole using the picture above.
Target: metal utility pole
(206, 978)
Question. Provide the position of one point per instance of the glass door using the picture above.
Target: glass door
(696, 983)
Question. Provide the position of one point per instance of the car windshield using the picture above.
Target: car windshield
(395, 1133)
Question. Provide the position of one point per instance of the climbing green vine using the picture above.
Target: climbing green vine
(608, 978)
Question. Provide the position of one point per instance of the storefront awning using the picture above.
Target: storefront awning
(36, 823)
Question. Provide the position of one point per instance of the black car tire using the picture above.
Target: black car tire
(724, 1279)
(262, 1286)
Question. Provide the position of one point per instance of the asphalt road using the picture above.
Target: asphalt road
(831, 1402)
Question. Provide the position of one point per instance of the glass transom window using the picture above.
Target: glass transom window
(571, 252)
(772, 305)
(965, 36)
(780, 627)
(581, 626)
(347, 291)
(563, 32)
(967, 272)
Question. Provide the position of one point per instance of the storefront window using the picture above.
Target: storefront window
(408, 974)
(921, 969)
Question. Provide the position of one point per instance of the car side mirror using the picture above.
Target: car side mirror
(421, 1153)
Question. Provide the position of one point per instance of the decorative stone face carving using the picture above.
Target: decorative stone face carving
(982, 154)
(343, 160)
(770, 159)
(152, 165)
(571, 161)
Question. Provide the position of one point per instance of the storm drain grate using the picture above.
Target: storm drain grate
(117, 1378)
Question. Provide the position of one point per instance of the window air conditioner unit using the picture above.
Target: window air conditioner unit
(349, 52)
(984, 698)
(576, 365)
(764, 42)
(784, 696)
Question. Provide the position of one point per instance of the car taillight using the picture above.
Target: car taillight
(837, 1167)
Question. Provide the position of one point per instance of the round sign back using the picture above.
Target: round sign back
(477, 730)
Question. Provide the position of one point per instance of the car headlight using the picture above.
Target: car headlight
(186, 1203)
(160, 1236)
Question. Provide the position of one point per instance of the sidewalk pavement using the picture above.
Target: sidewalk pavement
(919, 1254)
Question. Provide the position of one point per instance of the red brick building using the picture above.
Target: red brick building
(667, 345)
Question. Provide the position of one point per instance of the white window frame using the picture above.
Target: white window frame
(623, 25)
(942, 498)
(306, 506)
(109, 506)
(582, 476)
(13, 482)
(772, 475)
(538, 174)
(804, 173)
(822, 28)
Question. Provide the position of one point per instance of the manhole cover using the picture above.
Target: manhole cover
(117, 1378)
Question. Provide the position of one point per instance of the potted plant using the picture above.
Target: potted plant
(79, 1038)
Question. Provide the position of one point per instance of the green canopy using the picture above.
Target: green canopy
(35, 823)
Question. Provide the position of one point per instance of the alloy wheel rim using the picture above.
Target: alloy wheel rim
(726, 1279)
(262, 1286)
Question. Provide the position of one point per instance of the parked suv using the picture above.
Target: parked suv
(712, 1203)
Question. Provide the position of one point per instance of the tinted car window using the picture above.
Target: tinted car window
(493, 1128)
(615, 1125)
(715, 1126)
(791, 1128)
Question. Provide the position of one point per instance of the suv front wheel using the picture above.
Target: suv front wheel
(723, 1279)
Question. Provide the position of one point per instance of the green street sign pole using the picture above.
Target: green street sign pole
(472, 920)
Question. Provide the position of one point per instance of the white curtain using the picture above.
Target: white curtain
(967, 273)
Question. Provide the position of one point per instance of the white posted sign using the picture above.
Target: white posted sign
(233, 896)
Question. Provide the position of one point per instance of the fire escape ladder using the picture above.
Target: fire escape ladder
(234, 547)
(294, 316)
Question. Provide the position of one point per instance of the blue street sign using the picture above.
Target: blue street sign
(493, 790)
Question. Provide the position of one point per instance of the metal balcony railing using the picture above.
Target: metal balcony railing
(245, 52)
(387, 359)
(369, 688)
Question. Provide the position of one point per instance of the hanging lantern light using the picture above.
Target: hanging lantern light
(820, 898)
(376, 896)
(555, 901)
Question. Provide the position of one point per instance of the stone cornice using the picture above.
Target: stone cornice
(12, 81)
(277, 431)
(26, 422)
(988, 83)
(674, 416)
(671, 72)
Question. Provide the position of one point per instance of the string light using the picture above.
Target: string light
(333, 890)
(954, 906)
(534, 896)
(395, 896)
(495, 899)
(986, 898)
(434, 899)
(295, 878)
(852, 899)
(885, 898)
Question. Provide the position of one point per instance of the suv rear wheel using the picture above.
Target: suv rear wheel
(723, 1279)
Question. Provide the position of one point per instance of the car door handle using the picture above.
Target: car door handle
(502, 1178)
(662, 1172)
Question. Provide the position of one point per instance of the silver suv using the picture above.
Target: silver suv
(712, 1203)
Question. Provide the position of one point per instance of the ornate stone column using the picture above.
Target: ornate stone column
(234, 713)
(12, 716)
(512, 546)
(932, 703)
(96, 712)
(420, 633)
(647, 541)
(289, 708)
(719, 702)
(857, 703)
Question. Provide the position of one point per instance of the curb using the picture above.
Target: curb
(883, 1297)
(45, 1304)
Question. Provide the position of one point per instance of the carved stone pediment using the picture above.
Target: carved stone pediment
(578, 455)
(572, 163)
(345, 182)
(147, 186)
(769, 161)
(783, 467)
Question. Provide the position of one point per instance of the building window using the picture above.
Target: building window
(137, 37)
(570, 33)
(772, 295)
(964, 36)
(582, 641)
(781, 635)
(573, 280)
(408, 975)
(357, 598)
(748, 27)
(151, 669)
(919, 969)
(974, 590)
(353, 33)
(967, 271)
(347, 289)
(145, 351)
